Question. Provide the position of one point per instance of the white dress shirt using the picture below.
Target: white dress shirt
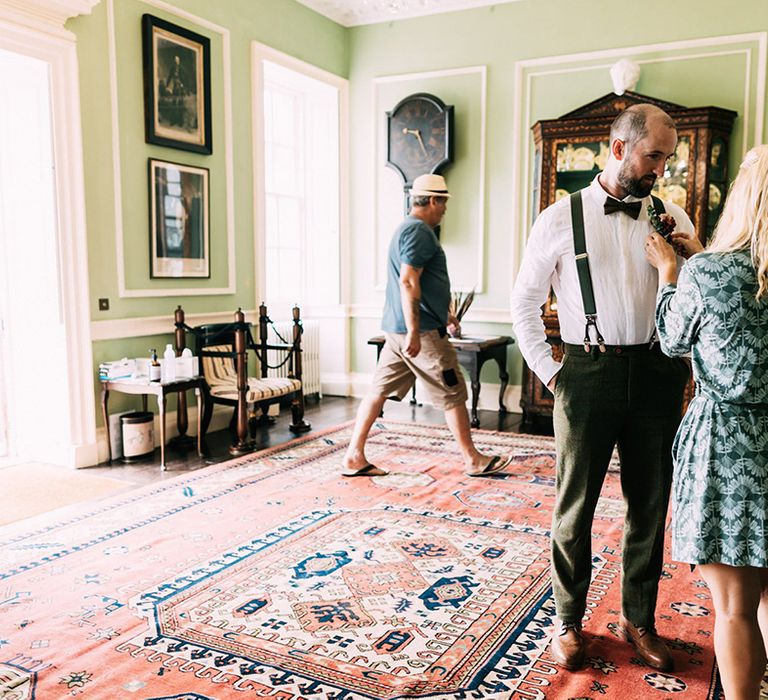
(624, 282)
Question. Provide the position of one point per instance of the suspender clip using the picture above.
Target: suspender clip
(592, 321)
(585, 277)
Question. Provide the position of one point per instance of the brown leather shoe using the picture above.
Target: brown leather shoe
(569, 648)
(648, 645)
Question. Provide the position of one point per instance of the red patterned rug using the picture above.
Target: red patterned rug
(269, 576)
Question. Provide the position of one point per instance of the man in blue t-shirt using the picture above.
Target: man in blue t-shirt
(416, 324)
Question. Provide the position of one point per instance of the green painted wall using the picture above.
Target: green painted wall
(500, 36)
(281, 24)
(496, 37)
(284, 25)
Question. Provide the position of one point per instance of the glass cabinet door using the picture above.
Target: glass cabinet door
(718, 182)
(675, 185)
(577, 165)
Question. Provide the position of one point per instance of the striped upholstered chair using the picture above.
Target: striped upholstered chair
(223, 349)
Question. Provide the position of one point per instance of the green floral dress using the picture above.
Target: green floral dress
(720, 491)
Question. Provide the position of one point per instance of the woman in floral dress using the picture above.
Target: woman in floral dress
(718, 311)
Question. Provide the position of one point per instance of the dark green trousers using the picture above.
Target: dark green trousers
(630, 398)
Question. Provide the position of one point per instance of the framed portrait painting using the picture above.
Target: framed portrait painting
(178, 214)
(177, 86)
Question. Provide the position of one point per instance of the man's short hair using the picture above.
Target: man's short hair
(423, 201)
(631, 125)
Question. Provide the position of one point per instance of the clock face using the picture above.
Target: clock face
(419, 136)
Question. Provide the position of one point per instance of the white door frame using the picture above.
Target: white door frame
(5, 447)
(36, 28)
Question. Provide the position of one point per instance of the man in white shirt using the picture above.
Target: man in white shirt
(619, 391)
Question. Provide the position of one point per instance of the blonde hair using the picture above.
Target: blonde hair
(744, 221)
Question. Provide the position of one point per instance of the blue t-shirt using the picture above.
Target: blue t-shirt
(415, 244)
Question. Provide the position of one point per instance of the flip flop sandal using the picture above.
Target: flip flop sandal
(496, 465)
(367, 470)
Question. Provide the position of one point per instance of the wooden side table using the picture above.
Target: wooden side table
(472, 353)
(159, 389)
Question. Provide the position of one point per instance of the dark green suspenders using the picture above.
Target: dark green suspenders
(582, 268)
(658, 205)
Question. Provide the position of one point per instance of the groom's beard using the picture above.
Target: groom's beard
(636, 186)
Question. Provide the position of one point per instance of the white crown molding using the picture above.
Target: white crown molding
(120, 328)
(353, 13)
(45, 15)
(153, 325)
(478, 315)
(528, 70)
(229, 168)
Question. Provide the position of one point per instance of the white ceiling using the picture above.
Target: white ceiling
(351, 13)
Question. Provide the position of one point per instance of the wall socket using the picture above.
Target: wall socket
(103, 304)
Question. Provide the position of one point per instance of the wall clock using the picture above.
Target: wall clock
(419, 136)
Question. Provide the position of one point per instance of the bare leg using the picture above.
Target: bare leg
(458, 423)
(762, 610)
(367, 413)
(736, 593)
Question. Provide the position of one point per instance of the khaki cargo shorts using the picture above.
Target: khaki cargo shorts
(436, 365)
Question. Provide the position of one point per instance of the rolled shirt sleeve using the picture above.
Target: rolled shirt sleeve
(528, 296)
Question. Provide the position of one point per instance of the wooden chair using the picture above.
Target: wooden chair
(222, 350)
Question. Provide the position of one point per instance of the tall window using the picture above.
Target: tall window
(301, 164)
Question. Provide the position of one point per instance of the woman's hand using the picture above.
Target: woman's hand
(662, 256)
(686, 244)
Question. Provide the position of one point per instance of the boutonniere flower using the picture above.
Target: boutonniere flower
(664, 225)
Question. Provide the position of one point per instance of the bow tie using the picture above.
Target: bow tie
(630, 208)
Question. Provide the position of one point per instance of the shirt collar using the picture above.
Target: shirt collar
(599, 193)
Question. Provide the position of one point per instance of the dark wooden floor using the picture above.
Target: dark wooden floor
(326, 413)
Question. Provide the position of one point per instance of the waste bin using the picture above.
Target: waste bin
(138, 431)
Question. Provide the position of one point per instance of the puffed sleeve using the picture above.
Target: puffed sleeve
(678, 313)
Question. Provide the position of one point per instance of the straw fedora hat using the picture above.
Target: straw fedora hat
(429, 186)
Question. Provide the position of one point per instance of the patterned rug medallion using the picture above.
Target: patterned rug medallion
(270, 576)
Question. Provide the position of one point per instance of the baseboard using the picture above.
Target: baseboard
(357, 384)
(51, 453)
(70, 456)
(219, 421)
(354, 384)
(86, 455)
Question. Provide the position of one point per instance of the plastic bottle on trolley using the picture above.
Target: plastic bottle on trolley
(169, 364)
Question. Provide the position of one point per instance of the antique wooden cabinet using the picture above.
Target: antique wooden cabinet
(571, 150)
